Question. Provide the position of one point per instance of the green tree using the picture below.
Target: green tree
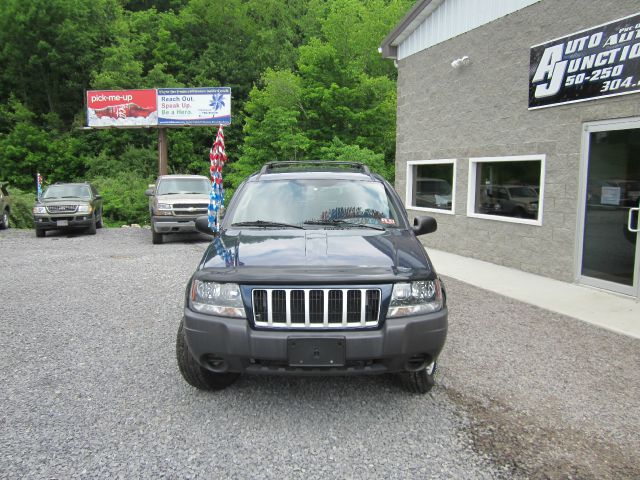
(306, 79)
(48, 49)
(27, 148)
(340, 100)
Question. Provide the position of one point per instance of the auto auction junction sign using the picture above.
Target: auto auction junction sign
(599, 62)
(162, 107)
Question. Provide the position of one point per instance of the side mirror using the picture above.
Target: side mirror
(202, 225)
(149, 192)
(98, 197)
(423, 225)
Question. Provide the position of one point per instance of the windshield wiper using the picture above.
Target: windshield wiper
(264, 223)
(343, 223)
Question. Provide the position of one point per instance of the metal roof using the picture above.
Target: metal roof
(411, 21)
(431, 22)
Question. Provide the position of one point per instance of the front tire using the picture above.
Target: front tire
(99, 222)
(421, 381)
(93, 226)
(156, 238)
(40, 232)
(193, 373)
(4, 223)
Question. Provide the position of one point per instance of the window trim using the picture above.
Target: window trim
(471, 190)
(409, 185)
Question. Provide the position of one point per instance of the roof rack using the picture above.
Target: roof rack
(354, 166)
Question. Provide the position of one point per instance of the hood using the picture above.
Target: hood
(63, 201)
(301, 255)
(184, 198)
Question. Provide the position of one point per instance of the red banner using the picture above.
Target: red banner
(121, 108)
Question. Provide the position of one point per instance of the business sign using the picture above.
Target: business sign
(600, 62)
(121, 108)
(194, 106)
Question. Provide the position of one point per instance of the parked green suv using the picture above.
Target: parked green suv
(68, 205)
(5, 206)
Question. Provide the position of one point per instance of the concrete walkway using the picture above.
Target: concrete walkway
(607, 310)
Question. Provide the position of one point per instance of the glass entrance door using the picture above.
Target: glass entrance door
(610, 247)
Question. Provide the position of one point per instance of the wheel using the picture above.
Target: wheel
(519, 213)
(92, 228)
(193, 373)
(156, 238)
(40, 232)
(4, 221)
(99, 222)
(421, 381)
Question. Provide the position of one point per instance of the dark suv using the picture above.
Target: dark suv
(316, 270)
(68, 205)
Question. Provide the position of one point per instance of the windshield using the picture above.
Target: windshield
(437, 187)
(522, 192)
(184, 185)
(65, 191)
(298, 201)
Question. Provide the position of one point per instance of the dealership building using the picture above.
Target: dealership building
(518, 129)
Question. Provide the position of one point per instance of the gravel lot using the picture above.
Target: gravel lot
(90, 386)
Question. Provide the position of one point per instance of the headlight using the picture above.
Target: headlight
(214, 298)
(415, 298)
(39, 210)
(85, 209)
(163, 209)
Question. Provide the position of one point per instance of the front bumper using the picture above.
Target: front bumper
(174, 223)
(230, 344)
(52, 222)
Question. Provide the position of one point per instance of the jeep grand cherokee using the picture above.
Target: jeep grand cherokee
(315, 271)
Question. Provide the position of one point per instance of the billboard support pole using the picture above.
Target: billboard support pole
(162, 151)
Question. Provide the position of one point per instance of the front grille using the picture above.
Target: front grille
(316, 308)
(62, 208)
(190, 209)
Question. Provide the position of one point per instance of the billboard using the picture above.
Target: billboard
(161, 107)
(599, 62)
(121, 108)
(194, 106)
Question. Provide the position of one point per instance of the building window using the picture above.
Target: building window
(431, 185)
(507, 188)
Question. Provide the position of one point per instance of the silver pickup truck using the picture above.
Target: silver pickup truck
(175, 201)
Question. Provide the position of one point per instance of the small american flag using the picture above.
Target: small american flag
(216, 197)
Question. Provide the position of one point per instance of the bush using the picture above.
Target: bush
(21, 208)
(124, 198)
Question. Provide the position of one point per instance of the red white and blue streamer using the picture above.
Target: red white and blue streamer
(216, 197)
(39, 184)
(223, 252)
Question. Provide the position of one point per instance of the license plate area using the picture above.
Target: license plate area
(62, 223)
(316, 352)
